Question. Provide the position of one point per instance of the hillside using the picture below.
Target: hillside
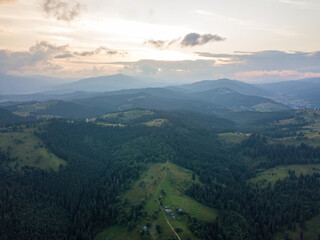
(6, 117)
(237, 86)
(128, 175)
(302, 93)
(23, 85)
(105, 84)
(236, 101)
(161, 188)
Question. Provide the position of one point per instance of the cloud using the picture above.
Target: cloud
(45, 57)
(248, 66)
(105, 50)
(39, 56)
(190, 40)
(194, 39)
(161, 44)
(156, 43)
(60, 10)
(65, 55)
(8, 1)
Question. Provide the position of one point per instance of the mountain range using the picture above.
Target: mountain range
(92, 97)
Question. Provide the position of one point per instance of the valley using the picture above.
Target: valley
(161, 163)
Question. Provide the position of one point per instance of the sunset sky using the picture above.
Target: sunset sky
(250, 40)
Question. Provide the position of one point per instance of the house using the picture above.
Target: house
(145, 228)
(168, 211)
(173, 217)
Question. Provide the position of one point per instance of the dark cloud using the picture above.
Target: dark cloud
(84, 53)
(65, 11)
(156, 43)
(271, 60)
(8, 1)
(251, 66)
(65, 55)
(194, 39)
(190, 40)
(100, 50)
(161, 44)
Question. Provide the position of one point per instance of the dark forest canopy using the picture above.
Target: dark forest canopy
(82, 198)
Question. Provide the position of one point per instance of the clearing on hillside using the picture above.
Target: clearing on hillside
(127, 115)
(161, 188)
(280, 172)
(26, 149)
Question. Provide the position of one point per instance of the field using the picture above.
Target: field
(281, 172)
(308, 131)
(165, 182)
(231, 137)
(28, 150)
(25, 110)
(126, 116)
(156, 123)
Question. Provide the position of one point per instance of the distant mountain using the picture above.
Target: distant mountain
(22, 85)
(56, 109)
(158, 92)
(108, 83)
(46, 96)
(289, 87)
(111, 103)
(86, 105)
(302, 93)
(234, 85)
(236, 101)
(313, 80)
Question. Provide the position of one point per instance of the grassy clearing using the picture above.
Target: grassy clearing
(311, 231)
(28, 150)
(109, 124)
(156, 123)
(232, 137)
(310, 139)
(309, 128)
(281, 172)
(128, 115)
(170, 181)
(268, 107)
(34, 107)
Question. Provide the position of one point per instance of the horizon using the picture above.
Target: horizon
(63, 81)
(264, 41)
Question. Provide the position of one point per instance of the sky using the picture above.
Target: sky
(249, 40)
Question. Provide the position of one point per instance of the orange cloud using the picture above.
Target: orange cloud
(8, 1)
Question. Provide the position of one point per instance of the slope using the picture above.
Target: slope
(236, 101)
(237, 86)
(161, 189)
(105, 83)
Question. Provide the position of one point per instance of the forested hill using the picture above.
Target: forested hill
(104, 160)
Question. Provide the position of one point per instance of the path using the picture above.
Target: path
(165, 175)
